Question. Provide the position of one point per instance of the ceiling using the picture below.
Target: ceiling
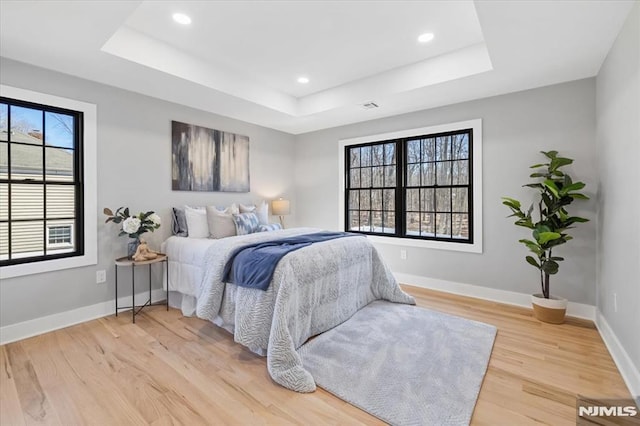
(242, 58)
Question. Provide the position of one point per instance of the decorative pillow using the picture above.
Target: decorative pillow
(269, 227)
(220, 223)
(179, 223)
(196, 222)
(246, 223)
(261, 210)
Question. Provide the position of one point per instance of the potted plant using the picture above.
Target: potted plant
(133, 225)
(555, 191)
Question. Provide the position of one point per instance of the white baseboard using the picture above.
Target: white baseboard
(627, 368)
(34, 327)
(578, 310)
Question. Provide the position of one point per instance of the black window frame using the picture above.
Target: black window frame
(77, 183)
(401, 187)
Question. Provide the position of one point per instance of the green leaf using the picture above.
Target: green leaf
(572, 187)
(532, 261)
(578, 196)
(535, 166)
(511, 202)
(126, 212)
(551, 186)
(556, 258)
(545, 237)
(533, 246)
(558, 162)
(550, 267)
(550, 154)
(536, 175)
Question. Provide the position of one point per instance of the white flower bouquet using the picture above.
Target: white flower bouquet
(135, 225)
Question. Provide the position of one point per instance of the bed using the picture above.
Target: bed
(312, 290)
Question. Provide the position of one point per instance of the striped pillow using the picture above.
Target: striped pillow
(269, 227)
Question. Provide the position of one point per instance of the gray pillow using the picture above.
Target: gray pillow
(179, 223)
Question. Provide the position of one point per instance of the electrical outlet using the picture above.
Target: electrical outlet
(101, 276)
(403, 254)
(615, 302)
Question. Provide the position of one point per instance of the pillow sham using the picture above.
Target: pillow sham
(269, 227)
(261, 211)
(196, 220)
(246, 223)
(220, 223)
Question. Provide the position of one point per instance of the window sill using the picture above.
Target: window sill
(428, 244)
(23, 269)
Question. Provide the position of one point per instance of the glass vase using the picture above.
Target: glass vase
(132, 246)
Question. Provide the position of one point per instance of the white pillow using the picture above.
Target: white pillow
(262, 211)
(196, 222)
(220, 223)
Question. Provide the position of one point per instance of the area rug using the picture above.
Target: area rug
(404, 364)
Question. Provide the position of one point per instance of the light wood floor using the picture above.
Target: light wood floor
(167, 369)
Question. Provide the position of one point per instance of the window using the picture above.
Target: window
(47, 180)
(419, 187)
(40, 180)
(59, 236)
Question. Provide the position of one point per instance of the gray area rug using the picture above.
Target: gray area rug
(404, 364)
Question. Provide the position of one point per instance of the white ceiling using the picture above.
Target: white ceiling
(241, 58)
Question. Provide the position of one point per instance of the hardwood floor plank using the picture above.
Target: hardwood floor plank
(169, 370)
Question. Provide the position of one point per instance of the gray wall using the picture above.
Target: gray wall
(618, 149)
(515, 128)
(134, 170)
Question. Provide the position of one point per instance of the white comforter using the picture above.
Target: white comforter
(313, 290)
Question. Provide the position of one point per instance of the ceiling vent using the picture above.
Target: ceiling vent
(370, 105)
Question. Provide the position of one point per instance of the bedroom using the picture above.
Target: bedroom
(555, 83)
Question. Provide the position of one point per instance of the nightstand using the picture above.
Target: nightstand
(124, 261)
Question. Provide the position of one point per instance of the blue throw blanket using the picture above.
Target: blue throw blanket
(253, 265)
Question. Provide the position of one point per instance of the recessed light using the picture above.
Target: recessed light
(425, 38)
(181, 18)
(303, 80)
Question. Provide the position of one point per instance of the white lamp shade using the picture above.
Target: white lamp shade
(280, 207)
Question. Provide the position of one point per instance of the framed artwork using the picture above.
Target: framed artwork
(208, 160)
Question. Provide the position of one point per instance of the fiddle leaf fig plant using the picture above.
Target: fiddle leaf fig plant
(555, 191)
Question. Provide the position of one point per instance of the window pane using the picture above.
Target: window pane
(377, 174)
(365, 181)
(413, 175)
(60, 236)
(59, 129)
(354, 198)
(413, 200)
(460, 146)
(4, 241)
(354, 220)
(461, 172)
(389, 219)
(443, 148)
(376, 199)
(443, 225)
(27, 202)
(460, 199)
(428, 174)
(4, 160)
(26, 125)
(413, 223)
(354, 175)
(390, 176)
(428, 150)
(389, 199)
(461, 226)
(4, 201)
(365, 153)
(443, 200)
(427, 200)
(365, 221)
(4, 122)
(427, 225)
(377, 155)
(60, 201)
(27, 239)
(390, 153)
(376, 221)
(444, 173)
(355, 157)
(26, 162)
(59, 164)
(413, 151)
(365, 200)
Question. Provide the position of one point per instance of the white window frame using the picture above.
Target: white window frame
(60, 245)
(476, 126)
(90, 144)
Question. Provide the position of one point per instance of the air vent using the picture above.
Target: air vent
(370, 105)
